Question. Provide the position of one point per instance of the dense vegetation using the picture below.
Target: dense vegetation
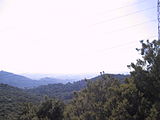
(12, 101)
(65, 91)
(136, 99)
(107, 98)
(61, 91)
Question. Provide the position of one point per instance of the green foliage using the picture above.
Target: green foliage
(146, 72)
(29, 112)
(153, 113)
(138, 98)
(12, 100)
(89, 103)
(50, 109)
(61, 91)
(105, 98)
(65, 91)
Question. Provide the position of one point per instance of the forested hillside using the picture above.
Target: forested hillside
(24, 82)
(103, 98)
(12, 101)
(137, 98)
(65, 91)
(61, 91)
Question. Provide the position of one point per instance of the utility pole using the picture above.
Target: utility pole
(158, 11)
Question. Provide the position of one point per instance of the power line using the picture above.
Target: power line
(115, 18)
(135, 25)
(125, 44)
(126, 6)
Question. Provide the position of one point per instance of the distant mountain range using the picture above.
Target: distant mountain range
(46, 86)
(25, 82)
(12, 99)
(62, 77)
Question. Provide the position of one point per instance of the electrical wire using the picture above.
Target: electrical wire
(106, 50)
(129, 14)
(125, 44)
(122, 7)
(132, 26)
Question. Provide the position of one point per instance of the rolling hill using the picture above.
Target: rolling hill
(65, 91)
(24, 82)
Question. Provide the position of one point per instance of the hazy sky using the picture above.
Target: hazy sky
(73, 36)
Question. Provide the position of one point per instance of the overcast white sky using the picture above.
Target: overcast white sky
(73, 36)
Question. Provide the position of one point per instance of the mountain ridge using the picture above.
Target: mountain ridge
(22, 81)
(25, 82)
